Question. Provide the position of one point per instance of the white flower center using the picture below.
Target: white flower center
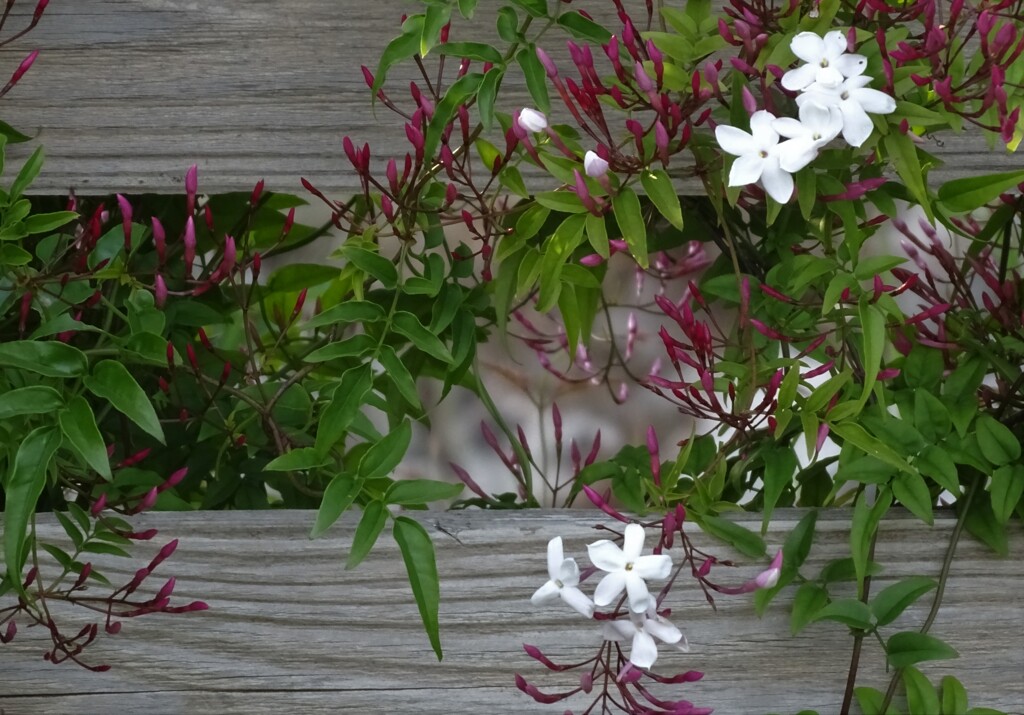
(824, 63)
(844, 95)
(763, 154)
(629, 566)
(815, 136)
(559, 583)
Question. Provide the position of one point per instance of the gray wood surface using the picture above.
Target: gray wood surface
(128, 93)
(289, 631)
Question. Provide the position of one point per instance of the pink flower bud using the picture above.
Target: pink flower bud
(190, 246)
(160, 291)
(769, 577)
(191, 186)
(257, 191)
(126, 221)
(147, 501)
(98, 505)
(21, 70)
(227, 265)
(159, 239)
(549, 66)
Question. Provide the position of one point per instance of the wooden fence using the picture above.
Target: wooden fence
(289, 631)
(126, 95)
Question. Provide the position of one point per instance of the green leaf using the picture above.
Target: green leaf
(396, 371)
(982, 523)
(536, 77)
(931, 416)
(355, 345)
(411, 492)
(561, 201)
(375, 517)
(808, 601)
(384, 456)
(421, 566)
(29, 172)
(910, 647)
(798, 543)
(934, 462)
(409, 325)
(921, 695)
(24, 484)
(297, 460)
(997, 442)
(971, 192)
(402, 47)
(659, 189)
(10, 135)
(350, 311)
(848, 611)
(536, 8)
(347, 398)
(954, 697)
(626, 209)
(112, 381)
(42, 223)
(597, 234)
(338, 496)
(436, 17)
(583, 29)
(1006, 490)
(869, 700)
(739, 537)
(48, 358)
(862, 528)
(372, 264)
(872, 323)
(296, 276)
(903, 154)
(11, 255)
(893, 600)
(459, 93)
(78, 423)
(486, 95)
(32, 400)
(912, 492)
(858, 437)
(780, 465)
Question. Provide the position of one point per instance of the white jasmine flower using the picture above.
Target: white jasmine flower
(759, 155)
(564, 583)
(642, 630)
(828, 64)
(816, 127)
(594, 165)
(627, 569)
(532, 121)
(854, 100)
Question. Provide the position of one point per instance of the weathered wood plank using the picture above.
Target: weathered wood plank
(290, 631)
(126, 95)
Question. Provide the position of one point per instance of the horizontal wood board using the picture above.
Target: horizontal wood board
(290, 631)
(126, 94)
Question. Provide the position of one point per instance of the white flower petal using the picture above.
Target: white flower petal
(606, 555)
(632, 542)
(663, 630)
(746, 170)
(789, 127)
(799, 78)
(851, 65)
(610, 588)
(578, 601)
(594, 165)
(795, 154)
(761, 128)
(653, 566)
(834, 44)
(682, 644)
(644, 651)
(873, 101)
(532, 121)
(555, 557)
(857, 125)
(636, 590)
(618, 630)
(819, 95)
(545, 595)
(569, 573)
(828, 77)
(808, 46)
(734, 141)
(777, 182)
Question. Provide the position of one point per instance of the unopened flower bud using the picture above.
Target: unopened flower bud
(594, 165)
(532, 121)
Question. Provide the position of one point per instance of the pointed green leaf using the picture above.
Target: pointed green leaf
(348, 397)
(921, 695)
(912, 492)
(112, 381)
(659, 189)
(626, 209)
(809, 600)
(48, 358)
(971, 192)
(29, 172)
(32, 400)
(410, 326)
(78, 423)
(375, 517)
(998, 443)
(893, 600)
(536, 77)
(384, 456)
(338, 497)
(412, 492)
(22, 488)
(421, 567)
(43, 223)
(954, 696)
(911, 647)
(741, 538)
(1006, 490)
(848, 611)
(297, 460)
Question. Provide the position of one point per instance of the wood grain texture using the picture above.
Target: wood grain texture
(126, 94)
(290, 631)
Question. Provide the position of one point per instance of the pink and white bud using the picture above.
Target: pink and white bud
(532, 121)
(159, 291)
(594, 165)
(770, 576)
